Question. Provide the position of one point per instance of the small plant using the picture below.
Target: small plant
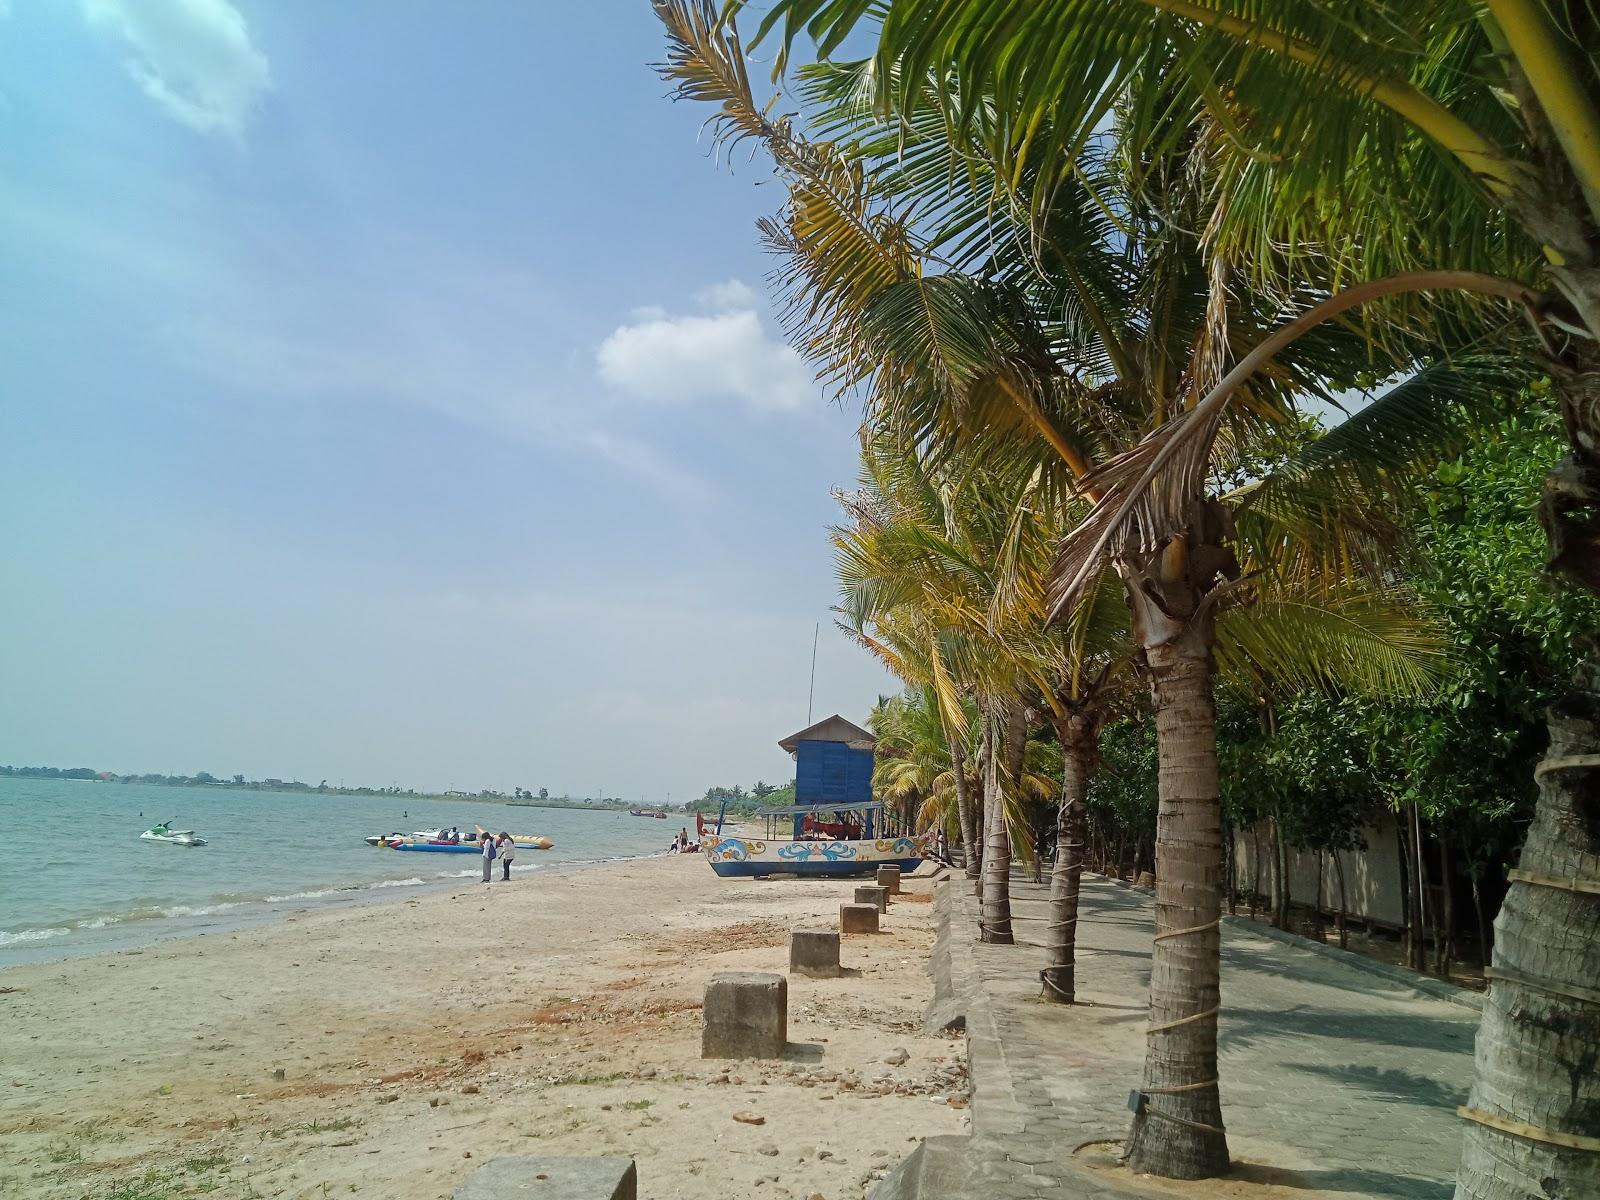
(152, 1185)
(209, 1162)
(64, 1151)
(636, 1105)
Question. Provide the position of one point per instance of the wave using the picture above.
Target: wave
(30, 935)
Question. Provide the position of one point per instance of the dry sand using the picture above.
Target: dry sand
(558, 1014)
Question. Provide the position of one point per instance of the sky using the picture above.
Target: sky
(392, 393)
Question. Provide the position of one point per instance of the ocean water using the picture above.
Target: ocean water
(75, 878)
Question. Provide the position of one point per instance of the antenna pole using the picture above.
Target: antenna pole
(812, 694)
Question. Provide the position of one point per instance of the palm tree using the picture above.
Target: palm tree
(913, 770)
(1060, 343)
(920, 578)
(1358, 140)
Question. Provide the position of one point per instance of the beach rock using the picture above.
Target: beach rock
(896, 1057)
(769, 1151)
(470, 1089)
(749, 1118)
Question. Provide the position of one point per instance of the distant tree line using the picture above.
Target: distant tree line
(742, 802)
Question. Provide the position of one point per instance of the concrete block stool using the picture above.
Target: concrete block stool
(746, 1015)
(889, 877)
(814, 952)
(858, 918)
(552, 1179)
(871, 893)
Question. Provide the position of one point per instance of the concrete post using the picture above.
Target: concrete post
(814, 952)
(746, 1015)
(858, 918)
(889, 877)
(872, 894)
(552, 1179)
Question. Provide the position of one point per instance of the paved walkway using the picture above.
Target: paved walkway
(1336, 1082)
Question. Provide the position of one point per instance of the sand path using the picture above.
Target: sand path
(558, 1014)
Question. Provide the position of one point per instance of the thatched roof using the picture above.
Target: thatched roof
(831, 729)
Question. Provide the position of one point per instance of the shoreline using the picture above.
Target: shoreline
(230, 912)
(416, 1038)
(153, 914)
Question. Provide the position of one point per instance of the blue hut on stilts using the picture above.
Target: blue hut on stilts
(834, 828)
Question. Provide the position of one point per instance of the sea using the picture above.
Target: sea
(75, 877)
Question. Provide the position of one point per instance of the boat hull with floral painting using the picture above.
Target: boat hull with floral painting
(732, 857)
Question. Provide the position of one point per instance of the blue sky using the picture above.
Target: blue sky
(390, 392)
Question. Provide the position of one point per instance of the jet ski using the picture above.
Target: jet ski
(177, 837)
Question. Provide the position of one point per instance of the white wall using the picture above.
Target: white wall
(1372, 876)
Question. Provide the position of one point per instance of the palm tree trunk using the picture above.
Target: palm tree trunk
(1539, 1038)
(1178, 1131)
(1061, 937)
(969, 832)
(994, 921)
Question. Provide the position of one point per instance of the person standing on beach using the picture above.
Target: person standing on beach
(508, 851)
(488, 856)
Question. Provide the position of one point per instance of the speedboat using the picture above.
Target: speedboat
(176, 837)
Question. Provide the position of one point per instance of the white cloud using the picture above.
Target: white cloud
(726, 354)
(194, 58)
(731, 294)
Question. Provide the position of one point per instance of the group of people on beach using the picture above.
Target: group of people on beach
(682, 845)
(497, 845)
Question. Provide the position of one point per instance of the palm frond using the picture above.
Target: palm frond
(1376, 642)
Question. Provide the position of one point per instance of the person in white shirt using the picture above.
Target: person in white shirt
(488, 855)
(508, 851)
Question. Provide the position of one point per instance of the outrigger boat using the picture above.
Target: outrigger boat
(817, 851)
(646, 812)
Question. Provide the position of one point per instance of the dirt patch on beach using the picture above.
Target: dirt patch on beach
(409, 1056)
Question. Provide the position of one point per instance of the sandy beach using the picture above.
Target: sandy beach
(558, 1014)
